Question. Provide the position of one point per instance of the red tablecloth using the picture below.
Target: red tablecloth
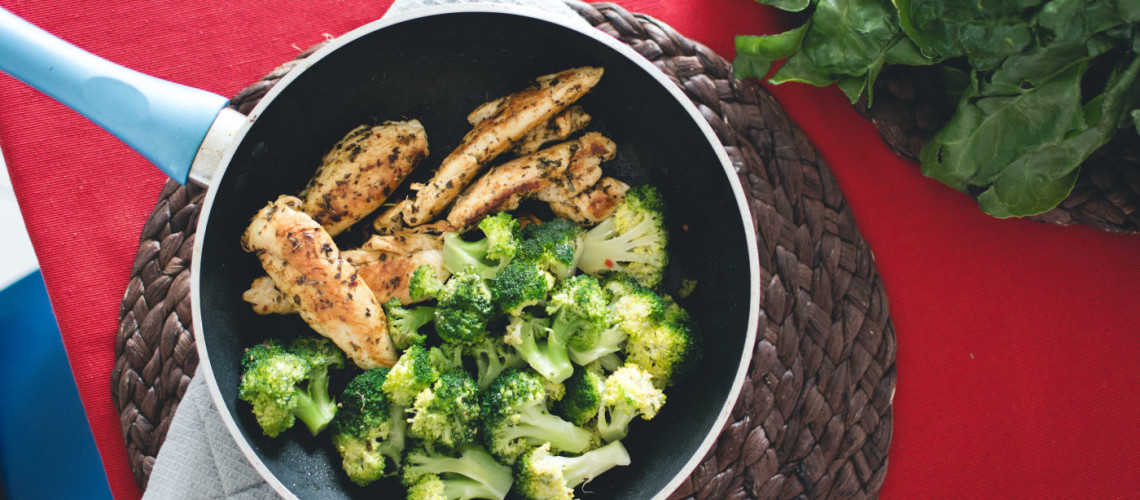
(1018, 342)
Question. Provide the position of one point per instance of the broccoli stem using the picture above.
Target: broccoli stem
(314, 406)
(608, 342)
(461, 487)
(551, 359)
(393, 446)
(476, 465)
(580, 469)
(614, 425)
(539, 426)
(459, 255)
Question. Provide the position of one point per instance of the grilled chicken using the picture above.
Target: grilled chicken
(495, 134)
(593, 205)
(557, 128)
(504, 186)
(266, 298)
(361, 170)
(305, 265)
(386, 262)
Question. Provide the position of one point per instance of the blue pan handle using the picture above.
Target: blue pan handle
(163, 121)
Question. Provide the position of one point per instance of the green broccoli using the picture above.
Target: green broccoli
(632, 240)
(580, 313)
(583, 396)
(536, 344)
(632, 308)
(412, 373)
(608, 363)
(446, 415)
(424, 284)
(627, 393)
(272, 380)
(464, 308)
(521, 284)
(485, 257)
(555, 391)
(515, 418)
(368, 428)
(473, 474)
(404, 323)
(553, 244)
(542, 476)
(669, 349)
(447, 357)
(492, 356)
(577, 306)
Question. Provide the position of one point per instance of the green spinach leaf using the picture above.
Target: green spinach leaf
(981, 30)
(987, 132)
(1041, 178)
(755, 54)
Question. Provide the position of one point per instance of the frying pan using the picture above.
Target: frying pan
(435, 65)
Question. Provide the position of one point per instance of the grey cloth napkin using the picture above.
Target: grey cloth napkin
(199, 459)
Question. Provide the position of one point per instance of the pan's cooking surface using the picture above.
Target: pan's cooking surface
(436, 70)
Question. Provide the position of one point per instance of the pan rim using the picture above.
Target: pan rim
(391, 19)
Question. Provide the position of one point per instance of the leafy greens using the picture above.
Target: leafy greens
(1039, 85)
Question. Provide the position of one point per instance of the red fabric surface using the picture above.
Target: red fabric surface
(1018, 342)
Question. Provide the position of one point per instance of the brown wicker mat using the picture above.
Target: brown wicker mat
(813, 419)
(910, 106)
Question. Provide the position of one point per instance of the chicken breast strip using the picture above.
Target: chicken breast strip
(505, 186)
(386, 263)
(557, 128)
(361, 170)
(492, 136)
(595, 204)
(265, 298)
(305, 265)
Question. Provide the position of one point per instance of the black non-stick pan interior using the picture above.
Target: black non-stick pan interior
(436, 70)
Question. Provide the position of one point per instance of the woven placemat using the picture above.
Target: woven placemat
(910, 106)
(814, 418)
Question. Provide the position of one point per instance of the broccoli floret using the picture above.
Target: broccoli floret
(412, 373)
(521, 284)
(368, 428)
(515, 418)
(404, 323)
(580, 314)
(593, 343)
(632, 240)
(464, 308)
(607, 363)
(627, 393)
(485, 257)
(429, 487)
(542, 476)
(446, 415)
(536, 344)
(492, 356)
(555, 245)
(447, 357)
(424, 284)
(583, 396)
(632, 308)
(284, 384)
(576, 307)
(555, 391)
(669, 349)
(473, 474)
